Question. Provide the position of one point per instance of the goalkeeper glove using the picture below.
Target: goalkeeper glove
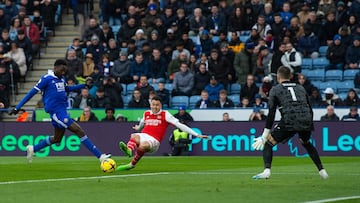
(259, 142)
(13, 111)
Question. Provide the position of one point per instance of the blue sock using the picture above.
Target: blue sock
(42, 144)
(90, 146)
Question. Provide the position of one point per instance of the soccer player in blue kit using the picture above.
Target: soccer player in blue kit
(53, 87)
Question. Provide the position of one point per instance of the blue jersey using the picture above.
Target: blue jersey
(53, 93)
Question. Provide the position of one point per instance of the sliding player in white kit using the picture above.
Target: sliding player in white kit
(153, 126)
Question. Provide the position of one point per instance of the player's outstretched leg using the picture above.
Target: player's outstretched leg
(123, 147)
(316, 159)
(30, 149)
(139, 153)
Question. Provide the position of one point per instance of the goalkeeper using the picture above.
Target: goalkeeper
(296, 118)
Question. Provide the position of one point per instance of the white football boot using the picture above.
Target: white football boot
(264, 175)
(323, 174)
(103, 157)
(30, 153)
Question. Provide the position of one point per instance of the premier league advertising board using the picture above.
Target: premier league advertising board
(226, 139)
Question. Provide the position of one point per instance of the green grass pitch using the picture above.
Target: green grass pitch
(176, 180)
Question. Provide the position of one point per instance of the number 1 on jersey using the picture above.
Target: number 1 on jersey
(292, 92)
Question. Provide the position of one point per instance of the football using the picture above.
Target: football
(108, 165)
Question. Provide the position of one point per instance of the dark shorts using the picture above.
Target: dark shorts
(283, 135)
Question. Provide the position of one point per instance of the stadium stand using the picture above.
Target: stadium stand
(177, 101)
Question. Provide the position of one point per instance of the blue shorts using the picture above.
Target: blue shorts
(61, 119)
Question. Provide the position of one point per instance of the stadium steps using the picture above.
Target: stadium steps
(56, 48)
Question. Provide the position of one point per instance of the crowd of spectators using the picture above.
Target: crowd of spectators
(200, 47)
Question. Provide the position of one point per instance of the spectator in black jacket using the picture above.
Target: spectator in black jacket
(138, 101)
(201, 79)
(224, 101)
(182, 115)
(330, 114)
(84, 100)
(109, 115)
(336, 54)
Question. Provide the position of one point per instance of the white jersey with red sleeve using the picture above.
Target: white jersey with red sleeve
(155, 125)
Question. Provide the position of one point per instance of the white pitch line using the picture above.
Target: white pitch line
(334, 199)
(81, 178)
(153, 174)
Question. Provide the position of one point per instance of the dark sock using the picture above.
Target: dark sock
(313, 155)
(267, 155)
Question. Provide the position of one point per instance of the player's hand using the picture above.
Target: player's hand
(136, 127)
(203, 136)
(13, 111)
(259, 143)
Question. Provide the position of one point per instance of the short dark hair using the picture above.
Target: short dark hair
(110, 109)
(60, 62)
(156, 98)
(284, 72)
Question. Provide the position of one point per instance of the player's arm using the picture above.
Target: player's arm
(37, 88)
(171, 119)
(74, 87)
(141, 124)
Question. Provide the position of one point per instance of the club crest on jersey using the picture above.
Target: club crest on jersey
(66, 120)
(158, 117)
(60, 86)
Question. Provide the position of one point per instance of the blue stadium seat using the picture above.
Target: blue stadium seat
(322, 51)
(124, 92)
(325, 85)
(244, 38)
(215, 39)
(349, 74)
(333, 75)
(316, 83)
(130, 88)
(126, 100)
(235, 88)
(343, 95)
(235, 98)
(307, 63)
(344, 86)
(316, 74)
(168, 86)
(320, 63)
(192, 100)
(177, 101)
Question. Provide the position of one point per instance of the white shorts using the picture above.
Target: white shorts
(154, 144)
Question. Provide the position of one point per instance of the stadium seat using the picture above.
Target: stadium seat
(316, 83)
(215, 39)
(333, 75)
(349, 74)
(307, 63)
(130, 88)
(320, 63)
(126, 100)
(177, 101)
(316, 74)
(325, 85)
(235, 88)
(192, 101)
(168, 86)
(344, 86)
(244, 38)
(124, 89)
(115, 29)
(343, 95)
(322, 51)
(235, 98)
